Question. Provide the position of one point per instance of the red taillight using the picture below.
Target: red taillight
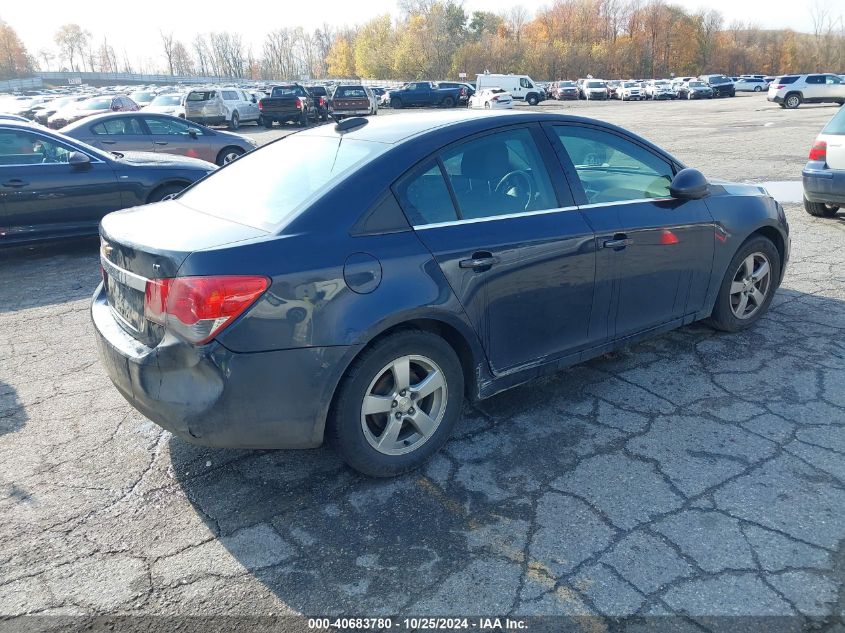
(299, 103)
(780, 86)
(322, 102)
(819, 151)
(260, 105)
(494, 99)
(198, 308)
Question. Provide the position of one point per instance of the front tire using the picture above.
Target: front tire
(397, 404)
(820, 209)
(748, 287)
(396, 103)
(228, 154)
(448, 102)
(532, 100)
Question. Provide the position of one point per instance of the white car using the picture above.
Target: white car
(167, 104)
(630, 91)
(595, 89)
(659, 89)
(790, 91)
(491, 99)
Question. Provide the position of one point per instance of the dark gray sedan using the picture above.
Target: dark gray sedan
(148, 132)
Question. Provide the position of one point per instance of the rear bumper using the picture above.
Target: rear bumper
(822, 184)
(342, 113)
(775, 99)
(207, 120)
(212, 396)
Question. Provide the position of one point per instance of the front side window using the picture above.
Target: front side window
(499, 174)
(169, 127)
(118, 127)
(18, 147)
(425, 197)
(525, 83)
(833, 79)
(815, 79)
(613, 169)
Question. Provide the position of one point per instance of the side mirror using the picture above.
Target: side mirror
(193, 132)
(689, 184)
(252, 98)
(78, 159)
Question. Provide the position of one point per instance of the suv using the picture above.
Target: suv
(790, 91)
(720, 85)
(824, 173)
(218, 106)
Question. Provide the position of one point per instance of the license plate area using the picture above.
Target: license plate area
(127, 304)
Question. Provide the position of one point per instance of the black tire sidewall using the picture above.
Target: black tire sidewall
(723, 317)
(344, 431)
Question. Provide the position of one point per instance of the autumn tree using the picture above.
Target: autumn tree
(340, 59)
(15, 61)
(374, 48)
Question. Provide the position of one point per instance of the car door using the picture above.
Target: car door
(43, 195)
(515, 251)
(814, 88)
(119, 133)
(656, 251)
(249, 109)
(834, 87)
(171, 135)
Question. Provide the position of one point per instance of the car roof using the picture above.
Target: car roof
(396, 129)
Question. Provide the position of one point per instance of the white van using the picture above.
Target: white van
(521, 87)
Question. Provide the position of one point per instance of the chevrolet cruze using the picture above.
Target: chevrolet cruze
(353, 283)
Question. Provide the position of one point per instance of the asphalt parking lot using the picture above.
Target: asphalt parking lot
(696, 474)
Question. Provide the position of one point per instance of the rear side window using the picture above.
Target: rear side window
(789, 79)
(833, 79)
(425, 197)
(118, 127)
(613, 169)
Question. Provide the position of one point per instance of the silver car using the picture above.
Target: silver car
(221, 106)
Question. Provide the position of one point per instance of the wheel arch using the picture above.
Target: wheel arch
(774, 236)
(172, 182)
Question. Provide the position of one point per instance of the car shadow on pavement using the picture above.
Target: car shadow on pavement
(12, 415)
(619, 485)
(47, 274)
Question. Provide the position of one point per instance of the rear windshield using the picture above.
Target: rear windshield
(719, 79)
(205, 95)
(696, 84)
(318, 91)
(595, 84)
(269, 186)
(96, 104)
(566, 84)
(167, 100)
(837, 124)
(286, 91)
(352, 93)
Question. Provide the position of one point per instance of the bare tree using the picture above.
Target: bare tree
(168, 43)
(72, 41)
(516, 19)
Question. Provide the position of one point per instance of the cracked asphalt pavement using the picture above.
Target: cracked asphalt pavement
(698, 473)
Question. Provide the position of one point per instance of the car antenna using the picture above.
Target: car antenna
(345, 125)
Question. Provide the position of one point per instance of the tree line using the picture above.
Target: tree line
(438, 39)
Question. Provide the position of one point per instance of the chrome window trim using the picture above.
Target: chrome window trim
(509, 216)
(125, 277)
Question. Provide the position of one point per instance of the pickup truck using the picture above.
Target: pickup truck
(289, 102)
(424, 93)
(351, 101)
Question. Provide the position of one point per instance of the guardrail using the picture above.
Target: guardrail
(20, 84)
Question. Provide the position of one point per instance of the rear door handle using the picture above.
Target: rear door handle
(104, 142)
(161, 142)
(15, 183)
(619, 241)
(479, 261)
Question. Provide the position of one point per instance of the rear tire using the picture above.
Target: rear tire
(747, 292)
(448, 102)
(402, 431)
(758, 89)
(303, 119)
(267, 123)
(820, 209)
(792, 101)
(235, 122)
(396, 102)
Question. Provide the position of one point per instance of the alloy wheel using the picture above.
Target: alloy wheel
(750, 285)
(404, 405)
(228, 157)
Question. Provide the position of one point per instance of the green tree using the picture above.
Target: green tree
(374, 48)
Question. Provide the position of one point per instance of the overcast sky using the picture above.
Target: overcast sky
(135, 25)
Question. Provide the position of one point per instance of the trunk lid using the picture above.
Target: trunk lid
(152, 242)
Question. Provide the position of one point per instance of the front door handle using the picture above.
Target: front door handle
(105, 142)
(619, 241)
(479, 262)
(15, 183)
(161, 142)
